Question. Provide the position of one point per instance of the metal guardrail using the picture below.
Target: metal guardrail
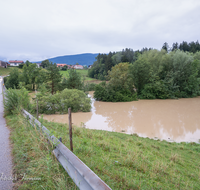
(82, 175)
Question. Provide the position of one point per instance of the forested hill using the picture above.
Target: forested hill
(82, 59)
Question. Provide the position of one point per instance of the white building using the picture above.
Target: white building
(15, 63)
(78, 67)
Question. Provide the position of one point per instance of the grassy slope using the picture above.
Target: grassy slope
(122, 161)
(5, 71)
(32, 156)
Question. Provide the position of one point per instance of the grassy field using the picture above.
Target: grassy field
(5, 71)
(83, 73)
(122, 161)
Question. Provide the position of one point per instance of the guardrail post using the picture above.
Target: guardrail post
(37, 109)
(70, 128)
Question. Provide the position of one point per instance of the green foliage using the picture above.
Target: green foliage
(53, 78)
(89, 86)
(13, 80)
(74, 80)
(15, 100)
(64, 68)
(120, 87)
(45, 63)
(61, 101)
(21, 65)
(32, 76)
(105, 62)
(157, 74)
(107, 93)
(120, 78)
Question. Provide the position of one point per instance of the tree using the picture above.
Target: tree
(27, 63)
(45, 63)
(13, 79)
(119, 76)
(53, 77)
(77, 63)
(165, 46)
(64, 68)
(109, 63)
(175, 46)
(74, 80)
(31, 76)
(21, 65)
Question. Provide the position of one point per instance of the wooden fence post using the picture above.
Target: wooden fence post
(70, 129)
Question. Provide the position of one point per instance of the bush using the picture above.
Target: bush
(89, 87)
(13, 80)
(107, 93)
(61, 101)
(15, 100)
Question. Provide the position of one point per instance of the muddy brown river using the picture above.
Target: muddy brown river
(172, 120)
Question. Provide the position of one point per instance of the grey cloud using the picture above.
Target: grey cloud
(43, 29)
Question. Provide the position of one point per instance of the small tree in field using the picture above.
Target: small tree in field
(53, 77)
(74, 80)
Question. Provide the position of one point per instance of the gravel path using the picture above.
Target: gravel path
(5, 150)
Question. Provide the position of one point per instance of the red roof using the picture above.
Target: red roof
(60, 65)
(16, 61)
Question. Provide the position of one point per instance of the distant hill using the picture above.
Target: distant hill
(82, 59)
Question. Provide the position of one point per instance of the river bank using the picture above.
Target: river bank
(123, 161)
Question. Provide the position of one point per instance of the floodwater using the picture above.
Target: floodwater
(172, 120)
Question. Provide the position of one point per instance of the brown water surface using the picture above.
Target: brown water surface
(173, 120)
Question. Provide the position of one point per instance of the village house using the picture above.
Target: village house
(78, 67)
(15, 63)
(3, 64)
(38, 65)
(63, 64)
(60, 64)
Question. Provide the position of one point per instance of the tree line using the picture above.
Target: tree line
(155, 74)
(192, 47)
(104, 62)
(33, 77)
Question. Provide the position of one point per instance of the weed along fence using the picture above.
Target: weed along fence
(82, 176)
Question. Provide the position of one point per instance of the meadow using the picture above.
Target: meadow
(83, 73)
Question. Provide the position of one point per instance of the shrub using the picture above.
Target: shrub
(61, 101)
(107, 93)
(89, 86)
(15, 100)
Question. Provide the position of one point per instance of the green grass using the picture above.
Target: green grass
(122, 161)
(33, 158)
(5, 71)
(83, 73)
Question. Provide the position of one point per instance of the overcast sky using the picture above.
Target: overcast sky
(38, 29)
